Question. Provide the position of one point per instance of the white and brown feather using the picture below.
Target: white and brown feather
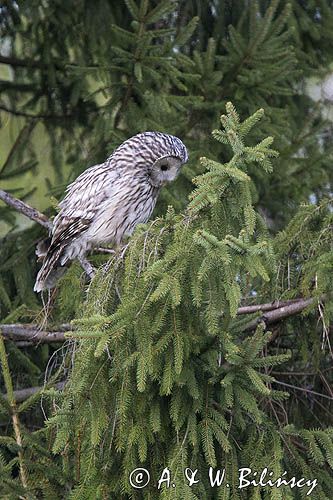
(107, 201)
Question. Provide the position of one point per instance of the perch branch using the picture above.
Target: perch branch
(25, 209)
(87, 267)
(37, 216)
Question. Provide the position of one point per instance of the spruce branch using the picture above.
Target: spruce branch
(29, 334)
(14, 413)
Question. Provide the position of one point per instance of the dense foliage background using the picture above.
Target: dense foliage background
(164, 369)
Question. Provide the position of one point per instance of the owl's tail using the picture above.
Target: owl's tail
(52, 268)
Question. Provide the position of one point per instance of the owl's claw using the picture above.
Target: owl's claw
(87, 267)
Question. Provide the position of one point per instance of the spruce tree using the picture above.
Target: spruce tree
(206, 342)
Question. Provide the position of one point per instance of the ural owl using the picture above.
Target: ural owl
(107, 201)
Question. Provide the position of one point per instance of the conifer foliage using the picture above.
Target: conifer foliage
(204, 343)
(176, 371)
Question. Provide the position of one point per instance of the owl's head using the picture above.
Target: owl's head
(165, 170)
(170, 154)
(153, 156)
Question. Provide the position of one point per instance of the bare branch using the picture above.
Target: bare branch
(36, 116)
(269, 306)
(37, 216)
(25, 209)
(280, 313)
(303, 389)
(23, 394)
(32, 333)
(21, 63)
(105, 250)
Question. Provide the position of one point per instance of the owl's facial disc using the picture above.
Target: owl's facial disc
(164, 170)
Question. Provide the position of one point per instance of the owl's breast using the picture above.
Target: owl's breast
(118, 215)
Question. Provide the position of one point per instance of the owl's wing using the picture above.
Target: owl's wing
(83, 197)
(77, 211)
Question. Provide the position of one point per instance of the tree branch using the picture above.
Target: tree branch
(275, 315)
(10, 396)
(7, 85)
(25, 209)
(36, 116)
(268, 306)
(37, 216)
(16, 62)
(23, 394)
(21, 63)
(274, 311)
(30, 334)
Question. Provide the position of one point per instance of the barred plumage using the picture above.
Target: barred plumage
(107, 201)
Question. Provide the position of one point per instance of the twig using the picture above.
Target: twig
(25, 209)
(40, 116)
(13, 410)
(300, 374)
(303, 389)
(104, 250)
(22, 63)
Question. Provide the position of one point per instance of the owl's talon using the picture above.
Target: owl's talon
(87, 267)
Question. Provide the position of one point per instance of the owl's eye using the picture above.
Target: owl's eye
(164, 167)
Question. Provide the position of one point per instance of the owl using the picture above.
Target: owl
(107, 201)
